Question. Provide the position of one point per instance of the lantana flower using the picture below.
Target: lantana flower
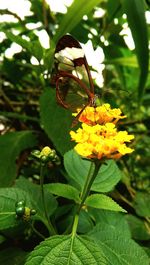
(100, 115)
(98, 136)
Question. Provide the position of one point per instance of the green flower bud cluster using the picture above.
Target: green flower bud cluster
(46, 154)
(24, 212)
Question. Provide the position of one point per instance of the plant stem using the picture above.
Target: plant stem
(75, 224)
(36, 231)
(50, 226)
(94, 168)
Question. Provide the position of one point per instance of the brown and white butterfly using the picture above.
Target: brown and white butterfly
(74, 84)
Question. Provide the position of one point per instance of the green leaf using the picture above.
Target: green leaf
(101, 201)
(115, 220)
(66, 250)
(12, 256)
(63, 190)
(36, 50)
(11, 145)
(141, 204)
(34, 47)
(8, 199)
(138, 228)
(135, 11)
(108, 176)
(124, 61)
(113, 7)
(118, 249)
(34, 192)
(75, 13)
(147, 250)
(56, 121)
(19, 40)
(48, 57)
(78, 168)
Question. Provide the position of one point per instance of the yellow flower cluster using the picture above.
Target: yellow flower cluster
(98, 136)
(100, 115)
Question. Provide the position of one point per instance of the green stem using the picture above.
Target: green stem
(50, 226)
(94, 168)
(75, 224)
(36, 231)
(18, 116)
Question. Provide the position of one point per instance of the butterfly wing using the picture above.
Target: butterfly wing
(74, 85)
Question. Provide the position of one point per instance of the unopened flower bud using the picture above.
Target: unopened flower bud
(36, 153)
(44, 159)
(46, 151)
(53, 153)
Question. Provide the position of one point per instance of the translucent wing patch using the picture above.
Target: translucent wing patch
(74, 85)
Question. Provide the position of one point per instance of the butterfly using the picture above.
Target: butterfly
(74, 84)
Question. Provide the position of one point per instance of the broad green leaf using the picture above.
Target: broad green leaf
(108, 176)
(138, 228)
(147, 250)
(63, 190)
(66, 250)
(142, 204)
(56, 121)
(13, 256)
(135, 11)
(78, 168)
(75, 13)
(102, 201)
(11, 144)
(118, 249)
(8, 199)
(115, 220)
(34, 192)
